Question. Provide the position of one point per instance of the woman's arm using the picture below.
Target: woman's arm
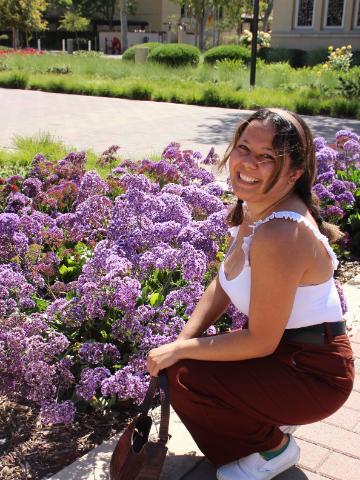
(211, 305)
(278, 261)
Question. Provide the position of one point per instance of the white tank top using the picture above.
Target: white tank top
(313, 304)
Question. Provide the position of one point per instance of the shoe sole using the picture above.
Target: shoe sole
(285, 467)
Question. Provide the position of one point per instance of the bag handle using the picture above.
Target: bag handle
(159, 383)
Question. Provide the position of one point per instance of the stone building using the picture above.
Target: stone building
(310, 24)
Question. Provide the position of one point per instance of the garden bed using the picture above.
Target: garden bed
(29, 450)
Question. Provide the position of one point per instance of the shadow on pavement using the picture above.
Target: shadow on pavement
(220, 129)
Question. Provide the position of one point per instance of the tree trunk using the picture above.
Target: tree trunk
(267, 13)
(16, 38)
(123, 21)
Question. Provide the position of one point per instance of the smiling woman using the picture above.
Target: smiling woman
(293, 364)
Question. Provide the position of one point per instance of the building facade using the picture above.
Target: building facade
(310, 24)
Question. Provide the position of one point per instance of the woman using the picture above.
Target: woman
(293, 364)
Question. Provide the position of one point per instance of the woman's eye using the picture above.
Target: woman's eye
(242, 147)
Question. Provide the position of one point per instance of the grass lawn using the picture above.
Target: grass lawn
(18, 159)
(309, 90)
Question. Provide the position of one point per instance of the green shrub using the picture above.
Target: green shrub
(316, 56)
(129, 54)
(59, 69)
(341, 107)
(3, 67)
(175, 54)
(138, 92)
(14, 80)
(349, 83)
(227, 52)
(211, 97)
(294, 56)
(306, 106)
(355, 61)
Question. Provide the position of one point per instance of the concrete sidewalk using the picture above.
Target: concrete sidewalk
(139, 127)
(329, 449)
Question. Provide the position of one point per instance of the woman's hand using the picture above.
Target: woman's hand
(163, 357)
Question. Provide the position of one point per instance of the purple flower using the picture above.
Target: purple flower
(319, 143)
(90, 382)
(211, 157)
(54, 413)
(31, 187)
(95, 353)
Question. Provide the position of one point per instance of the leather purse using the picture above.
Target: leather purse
(135, 456)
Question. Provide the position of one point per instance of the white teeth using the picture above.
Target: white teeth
(248, 179)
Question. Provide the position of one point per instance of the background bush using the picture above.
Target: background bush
(293, 56)
(129, 54)
(175, 54)
(228, 52)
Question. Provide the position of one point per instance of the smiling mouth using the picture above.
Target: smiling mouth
(246, 179)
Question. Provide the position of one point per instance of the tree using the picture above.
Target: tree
(201, 10)
(24, 16)
(123, 21)
(268, 11)
(73, 22)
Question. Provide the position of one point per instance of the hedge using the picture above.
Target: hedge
(227, 52)
(175, 54)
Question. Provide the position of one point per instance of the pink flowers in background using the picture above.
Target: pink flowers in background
(25, 51)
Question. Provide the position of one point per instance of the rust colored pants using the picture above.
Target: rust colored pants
(233, 409)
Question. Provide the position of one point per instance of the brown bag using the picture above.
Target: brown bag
(135, 457)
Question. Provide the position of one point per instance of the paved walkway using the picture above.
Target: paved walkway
(140, 128)
(331, 448)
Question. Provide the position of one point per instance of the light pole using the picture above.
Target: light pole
(255, 23)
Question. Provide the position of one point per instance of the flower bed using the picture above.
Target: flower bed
(25, 51)
(96, 272)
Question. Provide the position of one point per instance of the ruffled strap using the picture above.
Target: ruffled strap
(296, 217)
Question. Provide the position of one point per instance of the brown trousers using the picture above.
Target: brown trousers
(233, 409)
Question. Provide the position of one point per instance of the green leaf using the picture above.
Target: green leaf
(63, 270)
(41, 304)
(154, 298)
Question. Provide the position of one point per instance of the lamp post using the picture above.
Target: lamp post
(255, 23)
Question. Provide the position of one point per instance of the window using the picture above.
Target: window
(357, 15)
(334, 13)
(305, 13)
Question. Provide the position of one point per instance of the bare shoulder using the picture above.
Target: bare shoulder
(282, 238)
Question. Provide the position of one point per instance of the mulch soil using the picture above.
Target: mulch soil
(30, 450)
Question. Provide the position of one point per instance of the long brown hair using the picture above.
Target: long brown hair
(294, 137)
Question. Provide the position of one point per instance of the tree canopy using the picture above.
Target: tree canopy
(25, 16)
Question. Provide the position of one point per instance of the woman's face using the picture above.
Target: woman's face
(252, 164)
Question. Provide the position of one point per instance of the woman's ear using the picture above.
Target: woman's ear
(295, 175)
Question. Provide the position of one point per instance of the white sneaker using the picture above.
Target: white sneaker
(255, 467)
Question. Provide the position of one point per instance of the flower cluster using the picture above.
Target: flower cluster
(95, 272)
(263, 39)
(337, 185)
(24, 51)
(339, 59)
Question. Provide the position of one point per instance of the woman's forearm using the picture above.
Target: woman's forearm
(231, 346)
(210, 307)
